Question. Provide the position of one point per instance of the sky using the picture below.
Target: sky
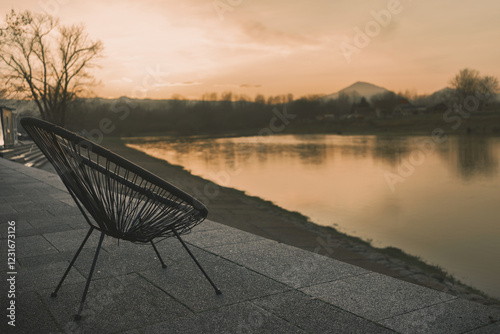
(157, 48)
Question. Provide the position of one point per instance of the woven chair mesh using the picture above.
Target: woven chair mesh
(124, 200)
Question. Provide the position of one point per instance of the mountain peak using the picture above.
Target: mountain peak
(363, 84)
(359, 89)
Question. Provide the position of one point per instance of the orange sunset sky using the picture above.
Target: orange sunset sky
(155, 48)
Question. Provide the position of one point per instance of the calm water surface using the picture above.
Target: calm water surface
(437, 201)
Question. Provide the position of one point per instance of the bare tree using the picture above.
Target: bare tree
(260, 99)
(227, 96)
(465, 83)
(177, 96)
(209, 96)
(469, 83)
(344, 103)
(488, 87)
(386, 102)
(409, 94)
(46, 61)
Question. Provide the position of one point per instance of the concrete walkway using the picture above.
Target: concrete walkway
(268, 287)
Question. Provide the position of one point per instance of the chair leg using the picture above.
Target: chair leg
(158, 253)
(217, 291)
(78, 316)
(54, 294)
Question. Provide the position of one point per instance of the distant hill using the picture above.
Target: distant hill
(442, 95)
(358, 90)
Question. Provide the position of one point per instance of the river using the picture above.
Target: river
(436, 198)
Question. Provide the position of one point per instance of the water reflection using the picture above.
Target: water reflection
(468, 156)
(391, 150)
(310, 153)
(475, 157)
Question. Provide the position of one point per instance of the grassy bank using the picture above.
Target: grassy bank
(487, 124)
(479, 123)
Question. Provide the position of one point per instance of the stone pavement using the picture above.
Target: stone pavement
(268, 287)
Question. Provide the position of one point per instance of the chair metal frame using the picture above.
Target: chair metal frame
(124, 200)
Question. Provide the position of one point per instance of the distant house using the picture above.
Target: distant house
(439, 108)
(405, 108)
(363, 109)
(8, 127)
(383, 113)
(363, 112)
(329, 117)
(326, 118)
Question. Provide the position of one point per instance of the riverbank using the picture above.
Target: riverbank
(479, 123)
(236, 209)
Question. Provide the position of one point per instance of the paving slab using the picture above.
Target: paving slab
(375, 297)
(29, 305)
(49, 228)
(456, 316)
(214, 238)
(7, 209)
(113, 305)
(36, 260)
(316, 316)
(209, 225)
(239, 318)
(26, 215)
(186, 283)
(290, 265)
(258, 245)
(36, 244)
(488, 329)
(46, 276)
(118, 261)
(71, 240)
(70, 220)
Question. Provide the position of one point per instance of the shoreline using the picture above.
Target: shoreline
(478, 124)
(235, 208)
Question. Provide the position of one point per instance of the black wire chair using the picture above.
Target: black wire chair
(124, 200)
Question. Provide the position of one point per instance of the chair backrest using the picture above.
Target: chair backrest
(124, 200)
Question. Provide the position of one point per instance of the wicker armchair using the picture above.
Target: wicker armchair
(116, 197)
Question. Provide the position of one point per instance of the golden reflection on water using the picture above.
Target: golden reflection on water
(444, 206)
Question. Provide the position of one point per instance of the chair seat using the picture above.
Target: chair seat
(124, 200)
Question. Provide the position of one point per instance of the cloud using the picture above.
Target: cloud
(250, 86)
(176, 84)
(258, 32)
(231, 85)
